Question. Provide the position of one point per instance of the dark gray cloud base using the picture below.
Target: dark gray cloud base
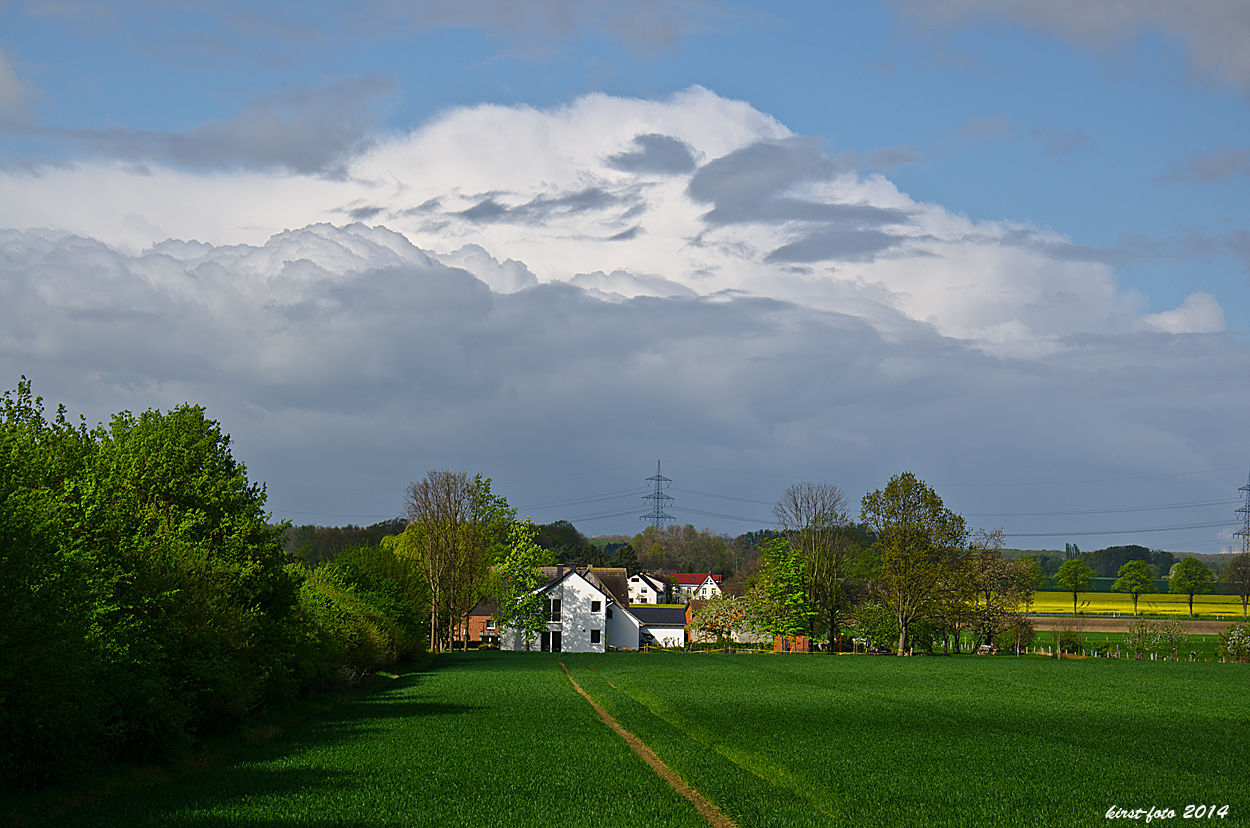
(346, 362)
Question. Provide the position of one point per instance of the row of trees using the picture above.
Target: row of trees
(145, 600)
(909, 570)
(1188, 576)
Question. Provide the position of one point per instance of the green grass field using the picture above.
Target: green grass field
(882, 741)
(490, 738)
(1206, 607)
(480, 740)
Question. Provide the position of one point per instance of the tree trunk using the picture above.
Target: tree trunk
(902, 638)
(1134, 603)
(1191, 605)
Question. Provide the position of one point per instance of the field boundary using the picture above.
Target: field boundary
(1098, 623)
(715, 817)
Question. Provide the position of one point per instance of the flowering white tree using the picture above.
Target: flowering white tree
(720, 617)
(1235, 644)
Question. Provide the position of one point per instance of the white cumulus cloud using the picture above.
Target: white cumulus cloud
(695, 193)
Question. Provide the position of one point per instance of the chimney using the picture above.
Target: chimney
(559, 572)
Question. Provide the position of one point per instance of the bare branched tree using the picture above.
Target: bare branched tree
(457, 529)
(813, 518)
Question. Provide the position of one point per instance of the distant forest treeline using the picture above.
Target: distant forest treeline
(678, 548)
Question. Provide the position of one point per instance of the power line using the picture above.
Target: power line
(1199, 504)
(1115, 531)
(603, 516)
(583, 500)
(725, 497)
(727, 517)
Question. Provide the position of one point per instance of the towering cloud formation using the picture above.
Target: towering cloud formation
(693, 194)
(615, 278)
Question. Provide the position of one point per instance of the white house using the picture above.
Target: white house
(665, 625)
(647, 589)
(698, 585)
(577, 618)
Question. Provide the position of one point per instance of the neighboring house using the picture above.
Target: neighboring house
(481, 627)
(624, 628)
(701, 585)
(665, 625)
(647, 589)
(611, 579)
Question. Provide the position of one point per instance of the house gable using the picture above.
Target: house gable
(577, 617)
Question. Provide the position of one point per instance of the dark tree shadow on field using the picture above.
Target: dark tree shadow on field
(255, 773)
(491, 661)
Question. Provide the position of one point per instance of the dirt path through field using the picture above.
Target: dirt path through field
(709, 811)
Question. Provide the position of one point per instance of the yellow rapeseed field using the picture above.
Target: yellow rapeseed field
(1205, 606)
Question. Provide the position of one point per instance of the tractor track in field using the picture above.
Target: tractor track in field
(710, 812)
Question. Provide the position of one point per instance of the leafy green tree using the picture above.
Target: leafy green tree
(1190, 576)
(626, 557)
(1076, 577)
(522, 608)
(1237, 575)
(1135, 578)
(146, 598)
(778, 604)
(876, 624)
(314, 544)
(54, 664)
(568, 545)
(920, 545)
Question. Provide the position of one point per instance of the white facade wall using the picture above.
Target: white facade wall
(667, 636)
(709, 589)
(623, 629)
(643, 590)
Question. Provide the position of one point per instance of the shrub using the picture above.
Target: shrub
(877, 625)
(1235, 644)
(1018, 635)
(1154, 636)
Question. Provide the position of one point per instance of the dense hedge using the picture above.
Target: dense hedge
(145, 601)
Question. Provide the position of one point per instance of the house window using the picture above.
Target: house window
(553, 609)
(595, 606)
(490, 625)
(642, 599)
(594, 636)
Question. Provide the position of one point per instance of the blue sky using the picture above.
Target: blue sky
(1002, 244)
